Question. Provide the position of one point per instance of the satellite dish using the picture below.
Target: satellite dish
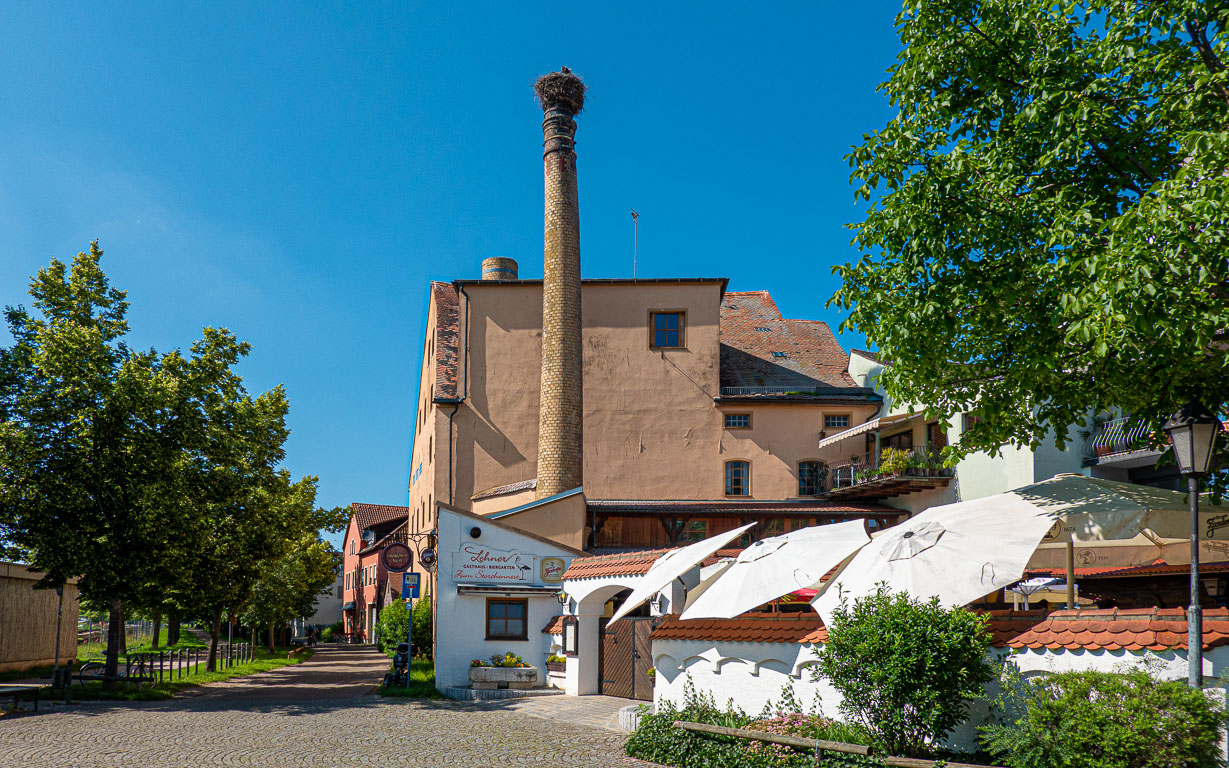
(369, 536)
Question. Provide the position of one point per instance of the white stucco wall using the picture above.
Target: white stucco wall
(461, 619)
(751, 675)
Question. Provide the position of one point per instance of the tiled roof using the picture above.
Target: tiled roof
(759, 347)
(1118, 628)
(617, 564)
(749, 628)
(500, 490)
(872, 356)
(447, 323)
(616, 506)
(1112, 629)
(371, 515)
(554, 626)
(1159, 568)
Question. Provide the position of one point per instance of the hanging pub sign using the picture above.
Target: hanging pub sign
(480, 563)
(396, 557)
(427, 558)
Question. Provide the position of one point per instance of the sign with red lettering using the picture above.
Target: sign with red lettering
(478, 563)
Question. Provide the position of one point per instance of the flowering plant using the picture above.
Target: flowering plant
(509, 659)
(787, 724)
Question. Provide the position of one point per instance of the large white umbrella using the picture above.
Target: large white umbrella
(776, 566)
(957, 552)
(672, 565)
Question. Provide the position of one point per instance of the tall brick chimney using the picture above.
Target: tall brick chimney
(560, 415)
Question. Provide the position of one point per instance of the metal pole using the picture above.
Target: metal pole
(635, 240)
(1070, 574)
(1194, 614)
(59, 617)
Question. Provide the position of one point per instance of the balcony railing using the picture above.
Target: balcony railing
(1117, 436)
(796, 390)
(889, 473)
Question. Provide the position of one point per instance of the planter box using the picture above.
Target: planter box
(503, 677)
(556, 666)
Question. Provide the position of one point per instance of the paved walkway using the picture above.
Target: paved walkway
(319, 713)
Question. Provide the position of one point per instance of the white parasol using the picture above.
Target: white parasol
(957, 552)
(672, 565)
(777, 566)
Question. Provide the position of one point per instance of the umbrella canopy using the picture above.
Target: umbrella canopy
(673, 564)
(777, 566)
(957, 552)
(1091, 509)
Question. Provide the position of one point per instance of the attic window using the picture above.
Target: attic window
(763, 329)
(779, 354)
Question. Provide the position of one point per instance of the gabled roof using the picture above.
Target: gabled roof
(372, 515)
(760, 348)
(447, 325)
(503, 490)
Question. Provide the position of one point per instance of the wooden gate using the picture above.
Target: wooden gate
(626, 657)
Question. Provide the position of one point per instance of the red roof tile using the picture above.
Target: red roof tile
(554, 626)
(750, 628)
(618, 564)
(447, 324)
(752, 330)
(1114, 629)
(371, 515)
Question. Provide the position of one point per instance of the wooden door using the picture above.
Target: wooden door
(625, 659)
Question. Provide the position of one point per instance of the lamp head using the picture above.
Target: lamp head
(1193, 431)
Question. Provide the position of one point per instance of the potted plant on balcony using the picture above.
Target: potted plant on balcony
(893, 461)
(507, 671)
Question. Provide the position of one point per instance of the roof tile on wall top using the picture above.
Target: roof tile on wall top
(447, 325)
(618, 564)
(752, 329)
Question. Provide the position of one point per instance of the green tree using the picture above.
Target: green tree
(1048, 213)
(906, 669)
(90, 435)
(289, 587)
(393, 626)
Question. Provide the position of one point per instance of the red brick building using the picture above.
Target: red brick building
(366, 586)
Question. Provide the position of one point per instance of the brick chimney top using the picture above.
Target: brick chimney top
(562, 90)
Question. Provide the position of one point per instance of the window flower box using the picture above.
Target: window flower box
(556, 666)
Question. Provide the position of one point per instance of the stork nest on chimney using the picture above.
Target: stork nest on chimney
(563, 89)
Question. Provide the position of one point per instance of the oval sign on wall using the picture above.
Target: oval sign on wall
(396, 557)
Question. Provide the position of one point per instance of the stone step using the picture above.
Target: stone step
(494, 694)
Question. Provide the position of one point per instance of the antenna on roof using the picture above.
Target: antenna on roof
(635, 239)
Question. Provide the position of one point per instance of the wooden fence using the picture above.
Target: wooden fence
(28, 619)
(820, 745)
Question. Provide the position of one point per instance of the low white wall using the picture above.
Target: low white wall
(751, 675)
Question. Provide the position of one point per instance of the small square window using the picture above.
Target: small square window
(506, 619)
(840, 421)
(667, 330)
(737, 478)
(738, 421)
(779, 354)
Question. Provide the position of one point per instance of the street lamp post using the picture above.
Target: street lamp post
(1193, 431)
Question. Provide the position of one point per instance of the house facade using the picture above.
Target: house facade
(366, 586)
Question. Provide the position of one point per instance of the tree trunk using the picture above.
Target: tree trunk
(115, 632)
(215, 631)
(270, 639)
(172, 626)
(153, 644)
(123, 630)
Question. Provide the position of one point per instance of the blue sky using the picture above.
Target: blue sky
(299, 172)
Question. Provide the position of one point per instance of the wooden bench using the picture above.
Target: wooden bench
(19, 692)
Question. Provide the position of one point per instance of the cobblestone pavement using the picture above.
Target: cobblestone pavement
(317, 714)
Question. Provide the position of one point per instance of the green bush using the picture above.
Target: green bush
(657, 740)
(420, 618)
(329, 634)
(1104, 720)
(393, 626)
(906, 669)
